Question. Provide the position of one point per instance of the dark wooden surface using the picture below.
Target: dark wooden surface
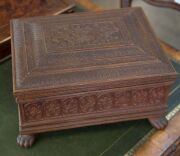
(87, 69)
(10, 9)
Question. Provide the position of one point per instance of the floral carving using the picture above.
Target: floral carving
(53, 108)
(87, 104)
(157, 95)
(96, 102)
(123, 99)
(140, 97)
(70, 106)
(105, 102)
(33, 111)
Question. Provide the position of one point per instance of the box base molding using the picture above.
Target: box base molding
(26, 138)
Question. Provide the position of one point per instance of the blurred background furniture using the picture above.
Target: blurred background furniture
(14, 8)
(160, 3)
(173, 54)
(164, 3)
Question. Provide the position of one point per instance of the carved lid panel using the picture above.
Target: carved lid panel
(85, 49)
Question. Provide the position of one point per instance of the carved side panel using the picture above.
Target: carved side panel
(94, 103)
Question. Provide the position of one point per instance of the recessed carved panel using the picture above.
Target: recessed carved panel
(85, 35)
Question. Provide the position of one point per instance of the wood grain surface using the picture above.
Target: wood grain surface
(10, 9)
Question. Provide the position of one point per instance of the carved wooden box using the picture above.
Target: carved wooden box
(86, 69)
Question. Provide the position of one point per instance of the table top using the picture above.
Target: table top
(107, 49)
(166, 142)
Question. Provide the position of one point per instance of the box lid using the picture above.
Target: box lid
(85, 51)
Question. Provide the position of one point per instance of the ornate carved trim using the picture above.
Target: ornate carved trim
(91, 103)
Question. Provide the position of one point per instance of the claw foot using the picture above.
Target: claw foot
(159, 123)
(25, 140)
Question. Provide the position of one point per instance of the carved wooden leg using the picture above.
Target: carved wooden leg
(25, 140)
(159, 123)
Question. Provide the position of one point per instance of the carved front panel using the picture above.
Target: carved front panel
(94, 103)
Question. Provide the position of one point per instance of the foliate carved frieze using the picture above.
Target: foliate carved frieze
(92, 103)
